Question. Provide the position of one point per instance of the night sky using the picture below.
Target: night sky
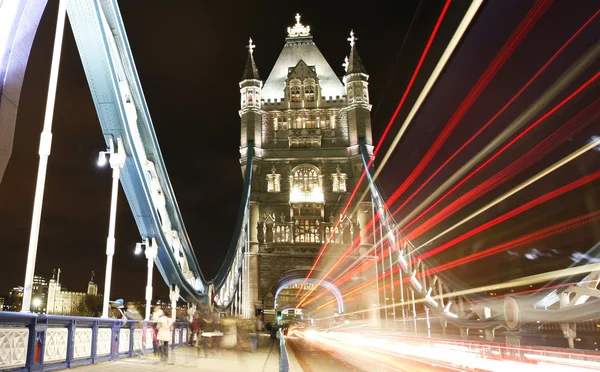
(190, 56)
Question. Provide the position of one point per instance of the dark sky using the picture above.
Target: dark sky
(190, 56)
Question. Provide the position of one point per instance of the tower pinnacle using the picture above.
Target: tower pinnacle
(298, 30)
(354, 64)
(250, 72)
(351, 39)
(250, 46)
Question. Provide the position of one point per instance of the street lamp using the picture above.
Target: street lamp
(117, 161)
(36, 303)
(151, 250)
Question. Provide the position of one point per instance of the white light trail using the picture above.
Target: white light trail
(458, 34)
(516, 189)
(549, 95)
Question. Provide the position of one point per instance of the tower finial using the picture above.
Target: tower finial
(352, 39)
(250, 46)
(92, 277)
(345, 64)
(299, 29)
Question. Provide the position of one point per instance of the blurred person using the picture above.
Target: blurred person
(164, 324)
(132, 313)
(154, 318)
(193, 332)
(206, 328)
(196, 330)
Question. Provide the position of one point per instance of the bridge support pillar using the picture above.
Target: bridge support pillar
(174, 296)
(44, 153)
(151, 252)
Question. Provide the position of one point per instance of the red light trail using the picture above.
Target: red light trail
(387, 129)
(548, 196)
(506, 51)
(497, 63)
(486, 125)
(544, 233)
(571, 127)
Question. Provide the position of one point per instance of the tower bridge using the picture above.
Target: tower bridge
(306, 145)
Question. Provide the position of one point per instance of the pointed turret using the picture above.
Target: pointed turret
(356, 81)
(250, 110)
(250, 72)
(355, 65)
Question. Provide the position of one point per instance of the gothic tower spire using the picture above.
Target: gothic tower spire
(250, 110)
(250, 72)
(355, 65)
(357, 92)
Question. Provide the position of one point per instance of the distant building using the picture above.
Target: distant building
(39, 294)
(2, 300)
(64, 302)
(15, 299)
(92, 287)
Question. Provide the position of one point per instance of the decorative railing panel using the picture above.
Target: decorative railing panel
(103, 343)
(56, 345)
(83, 343)
(322, 232)
(13, 347)
(124, 335)
(149, 338)
(67, 342)
(137, 339)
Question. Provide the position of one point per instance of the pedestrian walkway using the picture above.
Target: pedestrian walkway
(264, 359)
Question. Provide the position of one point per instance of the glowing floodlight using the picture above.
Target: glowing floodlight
(102, 158)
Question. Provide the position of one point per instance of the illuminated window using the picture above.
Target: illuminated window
(273, 181)
(295, 94)
(306, 179)
(309, 93)
(307, 231)
(306, 185)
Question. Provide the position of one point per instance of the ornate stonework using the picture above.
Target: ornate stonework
(13, 347)
(307, 161)
(298, 29)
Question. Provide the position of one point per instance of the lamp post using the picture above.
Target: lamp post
(117, 161)
(151, 252)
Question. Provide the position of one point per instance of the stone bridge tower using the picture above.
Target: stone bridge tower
(306, 123)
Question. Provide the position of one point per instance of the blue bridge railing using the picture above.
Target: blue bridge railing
(39, 342)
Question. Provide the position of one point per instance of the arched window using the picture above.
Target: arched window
(295, 94)
(309, 93)
(306, 178)
(306, 185)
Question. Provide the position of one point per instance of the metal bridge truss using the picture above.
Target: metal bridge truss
(125, 120)
(443, 299)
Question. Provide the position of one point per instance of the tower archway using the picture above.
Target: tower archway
(312, 281)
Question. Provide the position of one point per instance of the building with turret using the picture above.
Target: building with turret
(63, 302)
(305, 123)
